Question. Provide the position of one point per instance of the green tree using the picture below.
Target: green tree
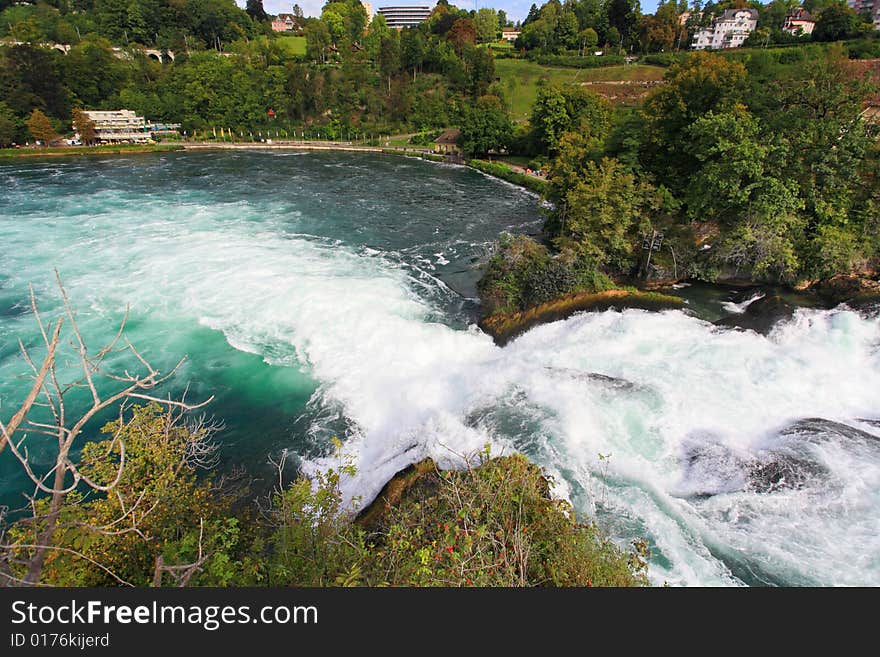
(486, 127)
(613, 38)
(561, 109)
(588, 39)
(41, 128)
(389, 56)
(623, 15)
(549, 117)
(84, 127)
(486, 24)
(9, 125)
(566, 36)
(255, 10)
(600, 213)
(318, 40)
(704, 82)
(412, 50)
(836, 22)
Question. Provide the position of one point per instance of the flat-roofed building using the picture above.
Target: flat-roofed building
(116, 126)
(400, 16)
(871, 7)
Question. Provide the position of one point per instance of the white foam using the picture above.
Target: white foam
(740, 308)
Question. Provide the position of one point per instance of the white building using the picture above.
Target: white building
(119, 126)
(730, 30)
(870, 6)
(799, 21)
(510, 34)
(401, 16)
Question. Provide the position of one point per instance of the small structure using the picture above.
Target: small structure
(510, 34)
(285, 23)
(119, 126)
(799, 21)
(447, 142)
(163, 129)
(729, 31)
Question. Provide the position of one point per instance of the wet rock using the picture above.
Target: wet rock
(607, 381)
(761, 315)
(781, 472)
(848, 288)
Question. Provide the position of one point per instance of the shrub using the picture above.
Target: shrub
(523, 274)
(493, 525)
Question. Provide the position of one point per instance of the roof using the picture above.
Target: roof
(800, 14)
(450, 136)
(730, 14)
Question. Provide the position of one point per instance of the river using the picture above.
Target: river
(328, 294)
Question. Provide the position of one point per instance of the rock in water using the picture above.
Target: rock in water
(761, 315)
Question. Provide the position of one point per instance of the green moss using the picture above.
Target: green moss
(503, 327)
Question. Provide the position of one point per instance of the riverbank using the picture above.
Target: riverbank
(73, 151)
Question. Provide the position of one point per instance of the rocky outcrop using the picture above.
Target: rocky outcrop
(503, 327)
(394, 491)
(848, 288)
(761, 315)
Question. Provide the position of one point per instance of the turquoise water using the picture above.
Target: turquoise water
(319, 295)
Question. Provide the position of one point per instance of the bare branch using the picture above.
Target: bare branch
(7, 431)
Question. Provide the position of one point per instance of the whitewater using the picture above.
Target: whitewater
(323, 295)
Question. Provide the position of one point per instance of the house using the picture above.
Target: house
(285, 23)
(799, 21)
(729, 31)
(447, 142)
(510, 34)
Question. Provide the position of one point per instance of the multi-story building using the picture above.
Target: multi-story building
(729, 31)
(118, 126)
(369, 9)
(870, 6)
(799, 21)
(401, 16)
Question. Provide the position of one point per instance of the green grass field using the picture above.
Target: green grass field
(520, 77)
(295, 46)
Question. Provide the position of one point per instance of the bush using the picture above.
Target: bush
(492, 525)
(572, 61)
(523, 274)
(537, 185)
(664, 58)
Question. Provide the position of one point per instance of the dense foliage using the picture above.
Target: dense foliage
(751, 165)
(229, 70)
(492, 525)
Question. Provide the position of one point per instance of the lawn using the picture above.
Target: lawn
(294, 46)
(520, 77)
